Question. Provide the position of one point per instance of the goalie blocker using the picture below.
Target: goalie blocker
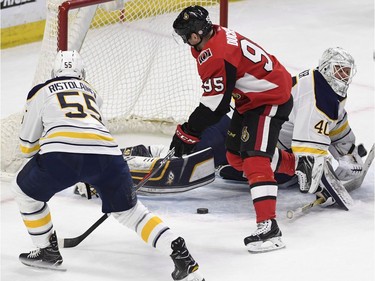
(178, 175)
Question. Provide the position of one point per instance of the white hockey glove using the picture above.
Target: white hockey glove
(85, 190)
(350, 166)
(309, 172)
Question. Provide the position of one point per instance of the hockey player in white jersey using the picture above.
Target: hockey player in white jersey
(63, 133)
(318, 123)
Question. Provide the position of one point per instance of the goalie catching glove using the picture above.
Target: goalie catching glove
(184, 140)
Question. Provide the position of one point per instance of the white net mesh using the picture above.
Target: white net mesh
(148, 82)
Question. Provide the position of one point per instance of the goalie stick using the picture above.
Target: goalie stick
(73, 242)
(334, 187)
(348, 186)
(339, 190)
(292, 213)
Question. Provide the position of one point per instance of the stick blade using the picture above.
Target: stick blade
(336, 188)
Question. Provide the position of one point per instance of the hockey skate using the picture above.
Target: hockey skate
(266, 238)
(48, 258)
(186, 268)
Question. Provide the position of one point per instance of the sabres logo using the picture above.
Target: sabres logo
(186, 16)
(245, 134)
(170, 179)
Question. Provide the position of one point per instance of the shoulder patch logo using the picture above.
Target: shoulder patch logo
(204, 56)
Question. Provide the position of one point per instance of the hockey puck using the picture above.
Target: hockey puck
(202, 211)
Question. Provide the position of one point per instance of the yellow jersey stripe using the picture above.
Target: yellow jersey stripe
(27, 150)
(309, 150)
(339, 130)
(38, 223)
(77, 135)
(149, 227)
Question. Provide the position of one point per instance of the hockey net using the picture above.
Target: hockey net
(148, 82)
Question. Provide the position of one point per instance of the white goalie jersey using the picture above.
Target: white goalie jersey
(318, 119)
(56, 114)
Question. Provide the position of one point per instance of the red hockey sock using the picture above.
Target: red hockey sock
(287, 163)
(235, 161)
(258, 169)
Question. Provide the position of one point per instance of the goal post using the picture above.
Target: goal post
(66, 6)
(147, 81)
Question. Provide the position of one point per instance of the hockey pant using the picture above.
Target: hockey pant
(251, 142)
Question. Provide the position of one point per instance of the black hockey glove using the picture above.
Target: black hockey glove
(183, 140)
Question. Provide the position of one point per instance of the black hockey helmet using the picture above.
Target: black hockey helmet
(193, 19)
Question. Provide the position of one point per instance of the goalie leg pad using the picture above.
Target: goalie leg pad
(178, 175)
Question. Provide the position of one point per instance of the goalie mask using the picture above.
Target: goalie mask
(193, 19)
(68, 63)
(338, 68)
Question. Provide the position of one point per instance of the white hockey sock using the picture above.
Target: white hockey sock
(148, 226)
(36, 217)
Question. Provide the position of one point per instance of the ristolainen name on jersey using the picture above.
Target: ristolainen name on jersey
(69, 85)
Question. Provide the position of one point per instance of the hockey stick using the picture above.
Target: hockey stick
(292, 213)
(73, 242)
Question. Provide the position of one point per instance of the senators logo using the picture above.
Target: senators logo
(245, 134)
(204, 56)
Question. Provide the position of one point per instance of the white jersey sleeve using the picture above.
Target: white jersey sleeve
(32, 125)
(63, 115)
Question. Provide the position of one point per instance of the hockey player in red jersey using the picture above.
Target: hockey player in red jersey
(231, 65)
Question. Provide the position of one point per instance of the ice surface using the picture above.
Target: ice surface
(323, 244)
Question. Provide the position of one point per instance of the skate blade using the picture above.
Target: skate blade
(44, 266)
(266, 246)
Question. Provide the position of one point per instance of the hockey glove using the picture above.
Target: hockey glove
(309, 172)
(183, 140)
(86, 190)
(350, 166)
